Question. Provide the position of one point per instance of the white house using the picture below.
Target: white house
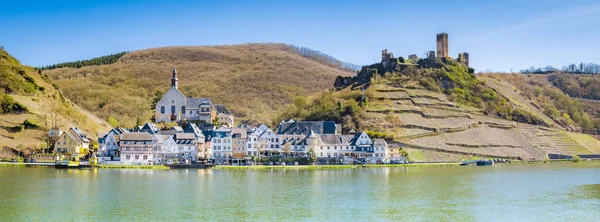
(186, 146)
(137, 148)
(165, 149)
(108, 144)
(221, 144)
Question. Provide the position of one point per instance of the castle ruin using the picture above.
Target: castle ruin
(463, 58)
(442, 45)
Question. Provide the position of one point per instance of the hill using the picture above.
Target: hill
(437, 109)
(255, 81)
(568, 99)
(30, 105)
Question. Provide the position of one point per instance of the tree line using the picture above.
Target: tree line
(581, 68)
(102, 60)
(324, 58)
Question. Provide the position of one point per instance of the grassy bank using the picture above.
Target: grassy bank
(150, 167)
(12, 165)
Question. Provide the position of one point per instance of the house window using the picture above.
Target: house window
(162, 110)
(182, 109)
(172, 109)
(190, 112)
(145, 157)
(137, 157)
(127, 157)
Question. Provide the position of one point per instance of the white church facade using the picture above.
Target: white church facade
(174, 106)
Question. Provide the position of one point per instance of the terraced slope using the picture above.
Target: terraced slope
(437, 130)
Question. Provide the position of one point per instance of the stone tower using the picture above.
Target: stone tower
(442, 45)
(463, 58)
(385, 55)
(174, 80)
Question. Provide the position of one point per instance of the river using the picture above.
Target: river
(536, 192)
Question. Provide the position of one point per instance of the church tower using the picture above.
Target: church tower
(174, 81)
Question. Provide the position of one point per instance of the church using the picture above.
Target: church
(174, 106)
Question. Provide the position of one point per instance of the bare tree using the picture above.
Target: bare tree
(262, 145)
(287, 148)
(52, 122)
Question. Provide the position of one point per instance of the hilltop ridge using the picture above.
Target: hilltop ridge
(255, 81)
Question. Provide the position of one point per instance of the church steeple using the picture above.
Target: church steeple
(174, 80)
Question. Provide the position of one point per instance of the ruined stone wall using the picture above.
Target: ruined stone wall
(463, 58)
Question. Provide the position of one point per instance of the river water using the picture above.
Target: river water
(538, 192)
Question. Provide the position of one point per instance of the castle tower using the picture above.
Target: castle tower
(174, 80)
(442, 45)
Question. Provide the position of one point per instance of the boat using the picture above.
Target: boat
(485, 162)
(72, 164)
(478, 163)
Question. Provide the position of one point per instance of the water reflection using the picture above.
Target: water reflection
(365, 194)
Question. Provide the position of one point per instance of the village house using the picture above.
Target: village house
(292, 127)
(203, 152)
(108, 144)
(267, 141)
(239, 139)
(186, 147)
(174, 106)
(73, 144)
(137, 148)
(221, 145)
(165, 149)
(224, 117)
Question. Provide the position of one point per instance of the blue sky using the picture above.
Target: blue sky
(499, 35)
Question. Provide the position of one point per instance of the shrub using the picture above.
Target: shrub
(576, 158)
(30, 124)
(9, 105)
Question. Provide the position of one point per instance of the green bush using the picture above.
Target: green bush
(30, 124)
(18, 128)
(9, 105)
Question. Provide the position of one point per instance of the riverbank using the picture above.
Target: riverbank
(263, 167)
(258, 167)
(150, 167)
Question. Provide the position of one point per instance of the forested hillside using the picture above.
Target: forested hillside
(255, 81)
(30, 105)
(102, 60)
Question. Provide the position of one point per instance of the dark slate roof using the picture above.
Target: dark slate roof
(81, 135)
(208, 126)
(304, 127)
(222, 109)
(294, 141)
(149, 128)
(119, 130)
(136, 137)
(192, 128)
(335, 139)
(195, 102)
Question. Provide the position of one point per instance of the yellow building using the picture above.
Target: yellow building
(73, 144)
